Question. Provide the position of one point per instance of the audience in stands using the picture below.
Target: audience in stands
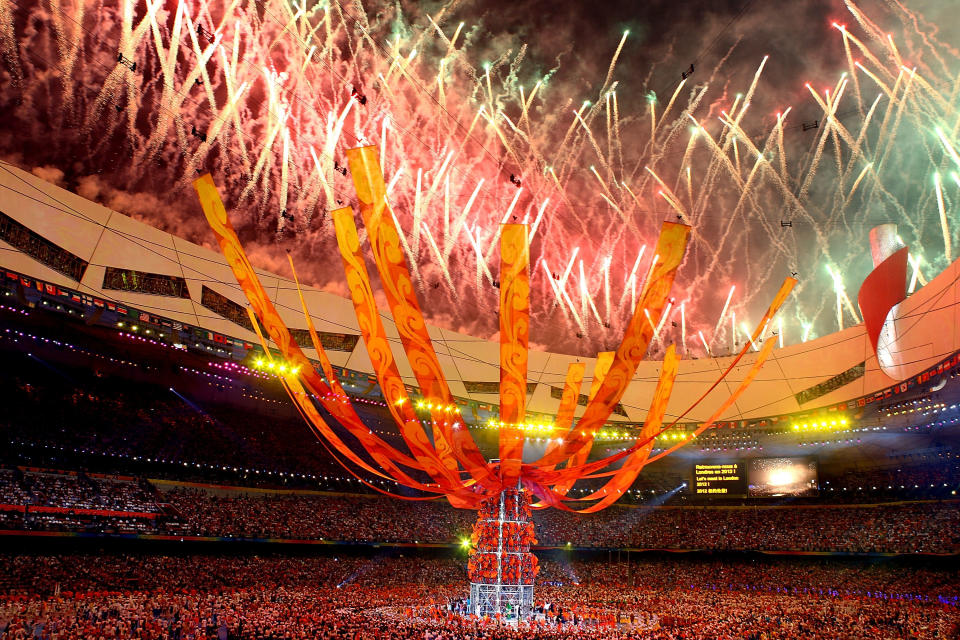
(266, 598)
(316, 517)
(907, 528)
(36, 500)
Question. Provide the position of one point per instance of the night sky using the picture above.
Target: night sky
(70, 114)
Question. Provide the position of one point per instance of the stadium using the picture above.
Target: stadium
(479, 320)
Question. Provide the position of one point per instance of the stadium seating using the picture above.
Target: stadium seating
(48, 500)
(366, 597)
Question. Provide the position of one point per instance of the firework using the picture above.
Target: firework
(266, 96)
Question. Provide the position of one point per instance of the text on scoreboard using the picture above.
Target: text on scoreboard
(720, 478)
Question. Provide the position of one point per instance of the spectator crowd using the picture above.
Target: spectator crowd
(75, 501)
(402, 598)
(929, 527)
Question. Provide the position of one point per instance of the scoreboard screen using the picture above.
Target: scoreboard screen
(776, 477)
(720, 479)
(756, 478)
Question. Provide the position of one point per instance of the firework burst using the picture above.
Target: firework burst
(131, 97)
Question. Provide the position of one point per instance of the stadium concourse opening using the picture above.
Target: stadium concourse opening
(354, 320)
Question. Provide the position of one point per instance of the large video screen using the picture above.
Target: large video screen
(720, 479)
(776, 477)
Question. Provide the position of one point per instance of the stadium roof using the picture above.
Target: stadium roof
(59, 237)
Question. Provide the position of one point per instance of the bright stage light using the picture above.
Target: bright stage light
(782, 477)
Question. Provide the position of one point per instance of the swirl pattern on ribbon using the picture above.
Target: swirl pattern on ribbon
(384, 365)
(398, 286)
(514, 340)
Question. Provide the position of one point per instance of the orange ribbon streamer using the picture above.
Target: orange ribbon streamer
(381, 452)
(545, 476)
(381, 357)
(343, 464)
(453, 446)
(754, 370)
(301, 400)
(600, 370)
(514, 339)
(624, 477)
(671, 247)
(568, 403)
(398, 285)
(775, 305)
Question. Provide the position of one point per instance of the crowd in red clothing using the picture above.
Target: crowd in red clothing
(922, 527)
(316, 517)
(502, 537)
(515, 568)
(271, 598)
(932, 527)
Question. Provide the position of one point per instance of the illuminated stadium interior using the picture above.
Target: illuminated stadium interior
(460, 320)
